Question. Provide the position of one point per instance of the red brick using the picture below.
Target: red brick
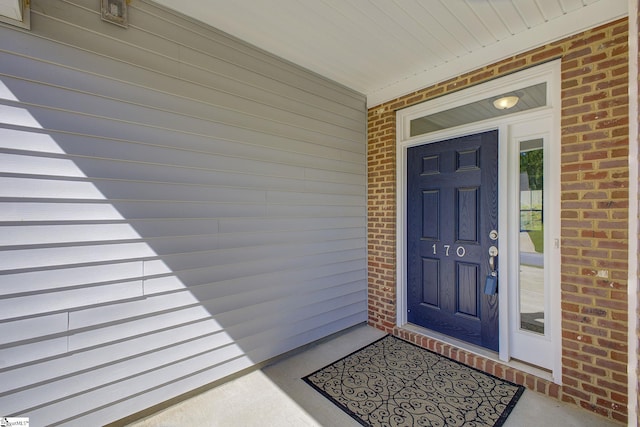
(594, 203)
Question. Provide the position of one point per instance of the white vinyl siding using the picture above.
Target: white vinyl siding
(175, 206)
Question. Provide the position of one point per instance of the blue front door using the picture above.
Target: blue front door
(452, 207)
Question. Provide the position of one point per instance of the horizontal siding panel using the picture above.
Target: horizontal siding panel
(123, 370)
(147, 307)
(315, 198)
(43, 234)
(15, 115)
(52, 210)
(105, 169)
(180, 150)
(43, 188)
(271, 120)
(251, 255)
(122, 190)
(125, 407)
(98, 337)
(203, 276)
(264, 341)
(134, 142)
(108, 46)
(29, 352)
(333, 323)
(70, 233)
(38, 165)
(240, 239)
(41, 303)
(64, 278)
(239, 267)
(74, 404)
(314, 210)
(175, 206)
(198, 144)
(254, 100)
(73, 167)
(152, 21)
(228, 323)
(196, 157)
(311, 280)
(35, 327)
(142, 396)
(183, 244)
(245, 301)
(34, 45)
(82, 387)
(268, 89)
(175, 257)
(28, 141)
(49, 369)
(245, 57)
(279, 311)
(333, 188)
(293, 99)
(324, 175)
(175, 166)
(212, 298)
(56, 211)
(103, 376)
(237, 225)
(52, 257)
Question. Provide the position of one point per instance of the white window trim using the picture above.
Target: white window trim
(16, 12)
(550, 73)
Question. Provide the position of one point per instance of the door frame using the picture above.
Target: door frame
(549, 73)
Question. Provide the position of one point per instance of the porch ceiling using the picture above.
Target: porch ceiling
(387, 48)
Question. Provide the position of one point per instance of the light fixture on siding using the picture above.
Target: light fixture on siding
(115, 12)
(506, 102)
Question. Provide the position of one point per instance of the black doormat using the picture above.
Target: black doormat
(395, 383)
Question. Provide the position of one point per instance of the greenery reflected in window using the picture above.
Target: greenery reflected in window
(531, 192)
(531, 163)
(532, 236)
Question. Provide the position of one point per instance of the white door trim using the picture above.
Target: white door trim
(534, 347)
(550, 73)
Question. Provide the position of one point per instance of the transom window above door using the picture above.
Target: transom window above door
(507, 103)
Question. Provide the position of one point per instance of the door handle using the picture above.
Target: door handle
(491, 284)
(493, 253)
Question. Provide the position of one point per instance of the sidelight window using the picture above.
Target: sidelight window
(531, 295)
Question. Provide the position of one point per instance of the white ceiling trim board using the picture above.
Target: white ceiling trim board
(593, 15)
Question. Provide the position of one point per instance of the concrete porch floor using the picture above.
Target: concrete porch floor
(276, 396)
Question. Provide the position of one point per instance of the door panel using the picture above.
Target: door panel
(430, 209)
(430, 280)
(451, 208)
(467, 213)
(467, 289)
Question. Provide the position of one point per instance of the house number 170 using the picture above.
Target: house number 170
(460, 251)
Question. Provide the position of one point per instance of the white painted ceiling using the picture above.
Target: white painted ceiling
(387, 48)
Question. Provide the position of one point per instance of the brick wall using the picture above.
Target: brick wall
(594, 185)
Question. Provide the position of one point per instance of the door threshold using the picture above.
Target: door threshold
(479, 351)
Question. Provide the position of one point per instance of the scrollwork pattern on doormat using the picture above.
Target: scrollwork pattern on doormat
(395, 383)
